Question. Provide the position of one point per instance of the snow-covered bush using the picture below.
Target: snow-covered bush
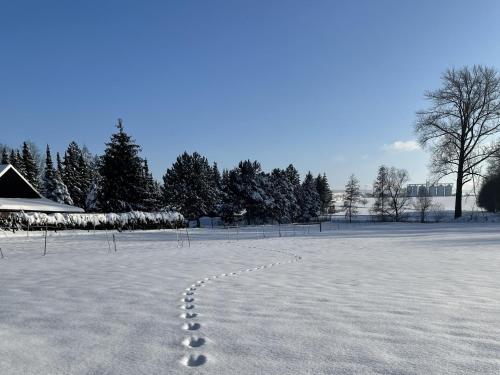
(127, 220)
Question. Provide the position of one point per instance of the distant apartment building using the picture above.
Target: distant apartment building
(436, 190)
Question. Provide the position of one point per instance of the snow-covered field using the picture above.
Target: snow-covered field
(377, 298)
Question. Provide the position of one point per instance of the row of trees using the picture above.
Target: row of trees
(120, 181)
(117, 181)
(389, 191)
(196, 189)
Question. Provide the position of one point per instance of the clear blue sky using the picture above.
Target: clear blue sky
(326, 85)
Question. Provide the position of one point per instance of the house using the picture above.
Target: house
(17, 194)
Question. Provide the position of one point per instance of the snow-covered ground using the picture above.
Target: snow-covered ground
(377, 298)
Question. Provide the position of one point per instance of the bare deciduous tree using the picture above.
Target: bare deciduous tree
(398, 199)
(423, 204)
(464, 114)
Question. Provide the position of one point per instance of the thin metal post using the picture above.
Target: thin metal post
(1, 253)
(114, 241)
(189, 240)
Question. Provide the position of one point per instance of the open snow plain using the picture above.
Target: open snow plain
(361, 299)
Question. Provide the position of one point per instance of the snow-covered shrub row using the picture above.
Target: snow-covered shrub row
(127, 220)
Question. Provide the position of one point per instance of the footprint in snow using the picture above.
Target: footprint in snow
(188, 315)
(187, 299)
(194, 360)
(194, 342)
(187, 307)
(191, 326)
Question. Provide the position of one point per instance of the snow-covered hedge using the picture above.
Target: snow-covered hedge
(127, 220)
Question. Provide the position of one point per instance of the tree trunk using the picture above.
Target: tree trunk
(458, 194)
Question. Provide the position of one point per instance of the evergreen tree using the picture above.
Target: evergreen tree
(282, 194)
(60, 167)
(309, 201)
(247, 186)
(152, 192)
(88, 171)
(229, 204)
(121, 173)
(92, 199)
(30, 167)
(293, 178)
(381, 193)
(189, 186)
(19, 163)
(72, 174)
(325, 194)
(48, 176)
(78, 172)
(14, 161)
(352, 197)
(5, 156)
(217, 191)
(489, 193)
(60, 193)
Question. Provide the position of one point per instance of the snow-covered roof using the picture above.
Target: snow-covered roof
(35, 205)
(17, 194)
(3, 168)
(19, 182)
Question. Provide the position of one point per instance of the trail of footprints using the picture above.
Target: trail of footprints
(195, 342)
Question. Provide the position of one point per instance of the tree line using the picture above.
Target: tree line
(120, 181)
(460, 129)
(198, 189)
(391, 201)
